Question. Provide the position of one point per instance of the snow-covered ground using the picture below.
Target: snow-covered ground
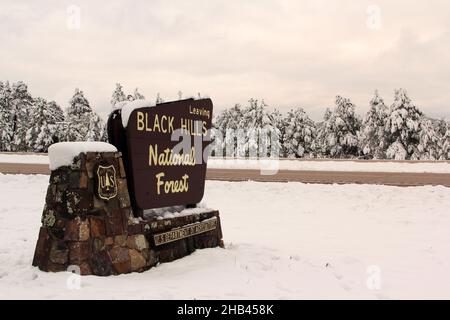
(330, 165)
(22, 158)
(283, 241)
(286, 164)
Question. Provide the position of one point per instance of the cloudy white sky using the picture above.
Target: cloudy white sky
(291, 53)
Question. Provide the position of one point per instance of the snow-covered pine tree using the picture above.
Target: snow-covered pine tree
(372, 137)
(327, 114)
(262, 137)
(338, 137)
(56, 111)
(118, 95)
(96, 128)
(402, 128)
(442, 129)
(429, 147)
(225, 125)
(278, 122)
(79, 105)
(299, 134)
(445, 154)
(60, 123)
(137, 95)
(217, 147)
(104, 136)
(271, 138)
(319, 143)
(6, 129)
(78, 118)
(44, 122)
(250, 122)
(21, 109)
(159, 99)
(231, 118)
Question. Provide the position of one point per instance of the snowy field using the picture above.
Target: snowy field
(331, 165)
(21, 158)
(283, 241)
(286, 164)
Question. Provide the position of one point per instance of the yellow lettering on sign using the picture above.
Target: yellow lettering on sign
(164, 124)
(156, 123)
(171, 186)
(163, 129)
(146, 124)
(168, 158)
(204, 129)
(171, 124)
(140, 121)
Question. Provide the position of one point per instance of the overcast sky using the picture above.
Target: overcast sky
(290, 53)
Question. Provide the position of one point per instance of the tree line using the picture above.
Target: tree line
(399, 131)
(32, 124)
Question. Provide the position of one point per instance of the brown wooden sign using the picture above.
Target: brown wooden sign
(165, 153)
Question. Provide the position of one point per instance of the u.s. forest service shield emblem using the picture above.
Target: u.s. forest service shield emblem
(106, 182)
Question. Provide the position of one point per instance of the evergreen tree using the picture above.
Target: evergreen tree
(229, 118)
(118, 95)
(300, 132)
(43, 125)
(60, 122)
(429, 147)
(22, 108)
(159, 100)
(372, 137)
(6, 129)
(338, 134)
(96, 128)
(403, 127)
(79, 116)
(104, 136)
(442, 129)
(56, 111)
(79, 105)
(278, 122)
(445, 154)
(262, 138)
(137, 95)
(226, 127)
(319, 143)
(327, 114)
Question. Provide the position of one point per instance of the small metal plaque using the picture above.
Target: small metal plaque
(184, 232)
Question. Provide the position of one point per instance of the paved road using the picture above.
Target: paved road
(323, 177)
(330, 177)
(24, 168)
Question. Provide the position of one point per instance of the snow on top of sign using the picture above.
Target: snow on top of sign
(129, 106)
(119, 105)
(62, 153)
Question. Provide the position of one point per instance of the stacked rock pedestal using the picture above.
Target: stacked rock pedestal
(88, 222)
